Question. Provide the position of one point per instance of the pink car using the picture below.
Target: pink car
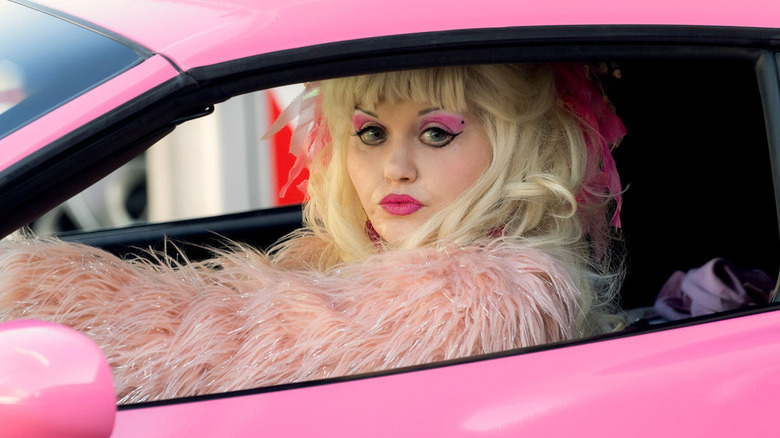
(87, 85)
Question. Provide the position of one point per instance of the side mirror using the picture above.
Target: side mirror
(54, 382)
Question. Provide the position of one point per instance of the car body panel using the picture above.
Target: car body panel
(196, 34)
(85, 108)
(54, 382)
(712, 379)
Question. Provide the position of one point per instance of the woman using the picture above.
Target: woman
(453, 212)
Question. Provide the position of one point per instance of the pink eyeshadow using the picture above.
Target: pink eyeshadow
(358, 120)
(453, 123)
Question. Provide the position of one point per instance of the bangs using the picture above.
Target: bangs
(442, 87)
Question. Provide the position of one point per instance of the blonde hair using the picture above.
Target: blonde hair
(527, 193)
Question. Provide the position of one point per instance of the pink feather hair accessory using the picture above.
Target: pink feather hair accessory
(581, 93)
(309, 135)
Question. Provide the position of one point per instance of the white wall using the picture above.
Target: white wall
(213, 165)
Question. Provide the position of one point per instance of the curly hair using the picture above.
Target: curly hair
(527, 194)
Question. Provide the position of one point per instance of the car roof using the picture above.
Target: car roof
(196, 33)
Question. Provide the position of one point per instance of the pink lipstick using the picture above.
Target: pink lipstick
(400, 204)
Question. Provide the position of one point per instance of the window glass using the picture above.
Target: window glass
(46, 61)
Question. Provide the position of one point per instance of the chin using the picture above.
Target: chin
(392, 237)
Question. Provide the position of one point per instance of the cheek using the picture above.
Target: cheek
(482, 155)
(358, 171)
(461, 176)
(464, 170)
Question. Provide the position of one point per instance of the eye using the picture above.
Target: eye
(437, 137)
(371, 135)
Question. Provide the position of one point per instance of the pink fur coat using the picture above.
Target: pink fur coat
(239, 321)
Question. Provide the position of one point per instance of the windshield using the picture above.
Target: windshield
(46, 61)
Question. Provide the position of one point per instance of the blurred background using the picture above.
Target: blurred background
(210, 166)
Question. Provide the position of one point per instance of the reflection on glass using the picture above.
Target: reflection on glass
(11, 85)
(53, 60)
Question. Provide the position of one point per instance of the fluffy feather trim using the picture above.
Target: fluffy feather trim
(238, 321)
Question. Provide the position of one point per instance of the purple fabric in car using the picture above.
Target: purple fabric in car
(717, 286)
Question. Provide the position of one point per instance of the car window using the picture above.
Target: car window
(215, 165)
(46, 61)
(695, 167)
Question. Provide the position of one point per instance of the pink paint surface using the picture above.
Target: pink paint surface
(198, 33)
(713, 380)
(109, 95)
(54, 382)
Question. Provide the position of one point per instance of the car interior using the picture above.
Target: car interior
(695, 166)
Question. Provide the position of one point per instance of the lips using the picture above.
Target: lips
(400, 204)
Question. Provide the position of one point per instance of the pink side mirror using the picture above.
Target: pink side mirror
(54, 382)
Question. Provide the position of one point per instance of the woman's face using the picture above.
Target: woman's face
(409, 160)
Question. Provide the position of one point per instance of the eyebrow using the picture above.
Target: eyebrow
(421, 113)
(428, 110)
(367, 112)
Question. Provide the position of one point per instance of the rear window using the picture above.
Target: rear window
(46, 61)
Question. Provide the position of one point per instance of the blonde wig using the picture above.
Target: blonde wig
(527, 194)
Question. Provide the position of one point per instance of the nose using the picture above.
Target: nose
(400, 163)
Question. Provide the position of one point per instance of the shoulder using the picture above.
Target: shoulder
(494, 267)
(488, 258)
(303, 251)
(528, 290)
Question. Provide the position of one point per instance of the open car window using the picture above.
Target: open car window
(698, 173)
(695, 166)
(213, 166)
